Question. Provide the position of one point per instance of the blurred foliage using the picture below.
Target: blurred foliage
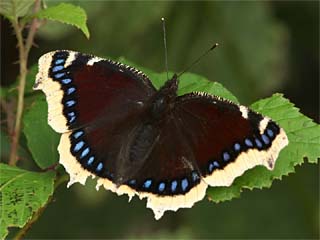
(12, 8)
(252, 44)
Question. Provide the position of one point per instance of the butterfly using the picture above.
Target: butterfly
(138, 140)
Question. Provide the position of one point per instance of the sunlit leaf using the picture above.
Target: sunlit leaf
(41, 139)
(68, 14)
(22, 193)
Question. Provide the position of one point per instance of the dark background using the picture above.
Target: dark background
(265, 47)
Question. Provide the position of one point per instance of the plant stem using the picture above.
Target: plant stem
(22, 83)
(23, 60)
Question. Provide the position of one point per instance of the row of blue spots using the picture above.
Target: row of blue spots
(173, 186)
(258, 142)
(59, 75)
(58, 66)
(85, 151)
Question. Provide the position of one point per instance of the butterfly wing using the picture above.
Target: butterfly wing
(101, 108)
(95, 103)
(81, 89)
(206, 141)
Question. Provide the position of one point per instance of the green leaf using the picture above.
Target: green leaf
(12, 90)
(41, 139)
(12, 9)
(66, 13)
(5, 144)
(22, 193)
(304, 142)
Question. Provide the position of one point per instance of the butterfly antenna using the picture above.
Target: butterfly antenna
(165, 46)
(198, 59)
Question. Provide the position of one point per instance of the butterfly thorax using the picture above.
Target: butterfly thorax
(164, 99)
(145, 135)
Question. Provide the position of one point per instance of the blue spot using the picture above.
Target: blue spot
(59, 61)
(66, 81)
(99, 167)
(226, 156)
(85, 152)
(237, 147)
(78, 146)
(90, 160)
(211, 167)
(216, 164)
(71, 90)
(71, 119)
(132, 182)
(184, 184)
(70, 103)
(265, 139)
(270, 133)
(70, 114)
(174, 185)
(162, 186)
(57, 68)
(78, 134)
(59, 75)
(147, 183)
(258, 143)
(248, 142)
(195, 176)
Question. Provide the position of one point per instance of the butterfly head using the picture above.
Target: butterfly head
(171, 86)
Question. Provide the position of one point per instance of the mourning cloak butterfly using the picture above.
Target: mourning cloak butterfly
(140, 141)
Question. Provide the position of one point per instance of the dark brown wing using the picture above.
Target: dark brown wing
(205, 141)
(83, 89)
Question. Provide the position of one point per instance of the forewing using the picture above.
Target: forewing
(81, 89)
